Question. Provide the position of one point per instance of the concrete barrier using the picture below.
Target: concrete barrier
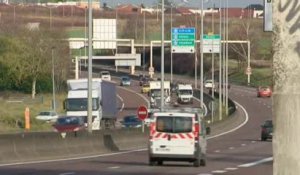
(24, 147)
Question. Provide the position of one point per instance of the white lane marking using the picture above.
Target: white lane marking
(234, 129)
(253, 141)
(269, 159)
(142, 96)
(231, 148)
(219, 171)
(75, 158)
(68, 173)
(123, 105)
(217, 151)
(205, 174)
(231, 169)
(243, 144)
(114, 167)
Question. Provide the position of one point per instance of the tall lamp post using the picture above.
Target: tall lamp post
(162, 55)
(90, 68)
(53, 81)
(144, 34)
(201, 59)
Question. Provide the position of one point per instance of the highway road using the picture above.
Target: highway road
(238, 152)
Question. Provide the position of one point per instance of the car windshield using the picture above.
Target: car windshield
(44, 113)
(68, 121)
(125, 78)
(186, 92)
(104, 73)
(157, 93)
(174, 124)
(268, 123)
(80, 104)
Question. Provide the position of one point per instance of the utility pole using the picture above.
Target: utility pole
(286, 96)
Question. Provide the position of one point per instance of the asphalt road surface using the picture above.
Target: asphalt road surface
(236, 153)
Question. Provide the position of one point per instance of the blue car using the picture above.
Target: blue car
(131, 121)
(125, 81)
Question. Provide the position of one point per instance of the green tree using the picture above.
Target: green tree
(28, 55)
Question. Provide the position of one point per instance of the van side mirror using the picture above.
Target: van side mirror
(208, 130)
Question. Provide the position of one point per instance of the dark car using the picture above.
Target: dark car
(144, 80)
(267, 130)
(131, 121)
(69, 124)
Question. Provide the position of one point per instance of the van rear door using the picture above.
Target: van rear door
(173, 135)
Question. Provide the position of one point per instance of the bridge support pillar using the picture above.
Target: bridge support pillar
(132, 70)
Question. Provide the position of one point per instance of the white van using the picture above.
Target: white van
(177, 136)
(184, 93)
(105, 75)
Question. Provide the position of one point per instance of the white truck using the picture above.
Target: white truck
(155, 93)
(184, 93)
(178, 135)
(104, 106)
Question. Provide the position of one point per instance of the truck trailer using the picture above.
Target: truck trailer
(104, 106)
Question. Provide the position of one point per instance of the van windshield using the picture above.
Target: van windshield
(185, 92)
(174, 124)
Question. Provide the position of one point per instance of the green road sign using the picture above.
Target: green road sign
(212, 37)
(183, 37)
(183, 43)
(183, 40)
(211, 43)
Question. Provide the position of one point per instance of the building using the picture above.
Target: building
(84, 4)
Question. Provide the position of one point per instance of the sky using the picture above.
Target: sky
(191, 3)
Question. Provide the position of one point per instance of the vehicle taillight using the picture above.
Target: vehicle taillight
(197, 130)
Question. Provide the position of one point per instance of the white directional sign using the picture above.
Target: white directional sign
(211, 43)
(183, 40)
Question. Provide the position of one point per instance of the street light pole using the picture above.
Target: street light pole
(53, 81)
(220, 64)
(201, 59)
(196, 60)
(226, 61)
(90, 69)
(144, 34)
(171, 46)
(85, 35)
(162, 55)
